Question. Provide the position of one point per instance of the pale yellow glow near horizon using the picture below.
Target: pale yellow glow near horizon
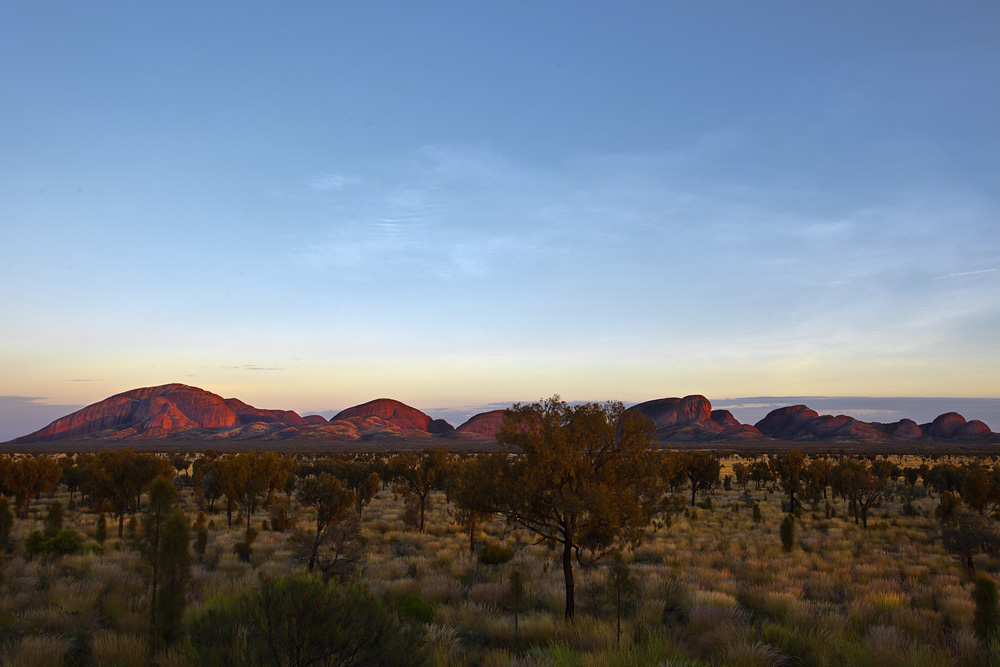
(70, 377)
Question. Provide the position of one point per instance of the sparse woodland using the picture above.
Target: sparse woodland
(577, 544)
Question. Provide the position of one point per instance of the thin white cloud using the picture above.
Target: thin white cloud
(966, 273)
(330, 181)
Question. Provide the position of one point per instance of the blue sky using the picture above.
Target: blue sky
(458, 204)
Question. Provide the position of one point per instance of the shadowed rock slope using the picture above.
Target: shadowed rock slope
(188, 413)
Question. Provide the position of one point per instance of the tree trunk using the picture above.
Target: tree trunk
(315, 549)
(568, 575)
(694, 490)
(121, 525)
(423, 503)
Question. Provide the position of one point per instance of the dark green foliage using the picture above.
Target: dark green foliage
(174, 572)
(54, 519)
(757, 514)
(215, 634)
(66, 541)
(161, 499)
(788, 533)
(301, 620)
(495, 554)
(415, 608)
(6, 522)
(676, 606)
(987, 619)
(101, 532)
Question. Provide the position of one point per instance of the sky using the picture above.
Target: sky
(464, 204)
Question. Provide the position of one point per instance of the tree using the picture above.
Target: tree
(118, 477)
(862, 483)
(966, 533)
(161, 500)
(468, 488)
(741, 471)
(788, 469)
(30, 476)
(248, 479)
(6, 523)
(702, 472)
(415, 476)
(585, 477)
(360, 478)
(174, 557)
(760, 473)
(332, 502)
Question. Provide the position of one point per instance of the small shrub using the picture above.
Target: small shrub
(495, 554)
(788, 533)
(101, 532)
(987, 619)
(415, 608)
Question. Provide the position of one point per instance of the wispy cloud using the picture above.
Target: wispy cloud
(251, 367)
(966, 273)
(330, 181)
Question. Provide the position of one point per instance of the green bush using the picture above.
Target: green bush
(415, 608)
(66, 541)
(301, 620)
(788, 533)
(495, 554)
(987, 618)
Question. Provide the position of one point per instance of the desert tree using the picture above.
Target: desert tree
(416, 475)
(6, 523)
(118, 477)
(30, 476)
(174, 559)
(249, 479)
(864, 484)
(741, 471)
(760, 473)
(333, 504)
(361, 478)
(702, 472)
(980, 488)
(788, 468)
(469, 487)
(585, 477)
(161, 501)
(818, 475)
(966, 533)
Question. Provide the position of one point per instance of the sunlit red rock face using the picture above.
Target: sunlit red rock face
(484, 425)
(395, 415)
(155, 410)
(797, 422)
(692, 418)
(173, 409)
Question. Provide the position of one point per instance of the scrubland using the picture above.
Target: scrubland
(715, 587)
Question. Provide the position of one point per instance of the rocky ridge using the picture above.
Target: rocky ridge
(182, 411)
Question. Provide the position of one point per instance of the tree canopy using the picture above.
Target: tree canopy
(584, 476)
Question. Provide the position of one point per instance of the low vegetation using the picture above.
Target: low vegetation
(784, 559)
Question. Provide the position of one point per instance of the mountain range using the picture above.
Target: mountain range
(189, 413)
